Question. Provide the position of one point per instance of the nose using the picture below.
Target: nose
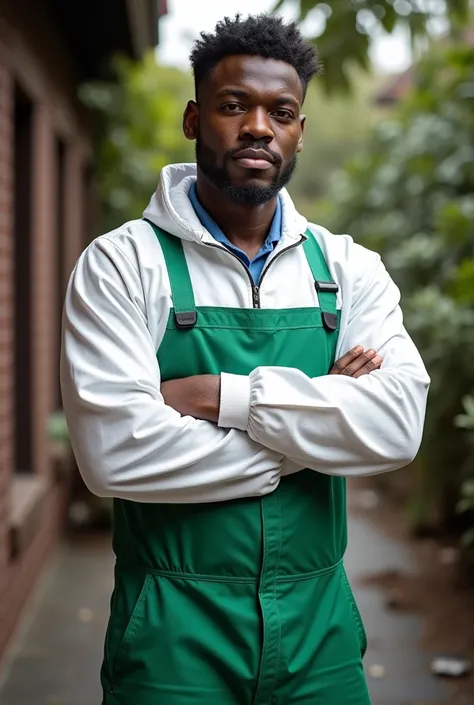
(256, 126)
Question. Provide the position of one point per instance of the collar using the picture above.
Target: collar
(274, 234)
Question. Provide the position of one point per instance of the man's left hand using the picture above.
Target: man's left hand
(197, 396)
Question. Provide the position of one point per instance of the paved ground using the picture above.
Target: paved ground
(394, 637)
(57, 654)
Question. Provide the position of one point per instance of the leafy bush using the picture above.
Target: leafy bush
(139, 119)
(410, 196)
(466, 503)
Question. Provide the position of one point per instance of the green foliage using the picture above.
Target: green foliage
(336, 129)
(410, 196)
(57, 430)
(348, 28)
(466, 503)
(140, 117)
(58, 436)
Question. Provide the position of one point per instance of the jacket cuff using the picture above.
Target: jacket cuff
(234, 401)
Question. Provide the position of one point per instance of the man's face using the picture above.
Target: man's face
(248, 127)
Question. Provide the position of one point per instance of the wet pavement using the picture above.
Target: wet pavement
(56, 656)
(401, 670)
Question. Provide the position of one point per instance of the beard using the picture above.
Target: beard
(242, 194)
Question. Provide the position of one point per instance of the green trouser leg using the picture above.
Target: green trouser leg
(243, 602)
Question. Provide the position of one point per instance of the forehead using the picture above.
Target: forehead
(256, 75)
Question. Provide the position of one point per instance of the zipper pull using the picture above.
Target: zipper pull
(256, 297)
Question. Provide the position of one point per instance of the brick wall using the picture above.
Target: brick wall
(76, 205)
(6, 314)
(43, 292)
(37, 500)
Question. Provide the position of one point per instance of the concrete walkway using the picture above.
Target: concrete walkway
(394, 637)
(56, 656)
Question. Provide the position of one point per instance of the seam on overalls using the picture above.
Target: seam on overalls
(258, 329)
(277, 667)
(297, 577)
(355, 612)
(269, 662)
(175, 575)
(129, 630)
(265, 639)
(339, 667)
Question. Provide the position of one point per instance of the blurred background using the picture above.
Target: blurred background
(91, 98)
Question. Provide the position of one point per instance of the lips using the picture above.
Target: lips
(254, 159)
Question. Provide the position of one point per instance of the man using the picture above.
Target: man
(197, 346)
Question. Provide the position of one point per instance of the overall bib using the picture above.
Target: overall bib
(243, 602)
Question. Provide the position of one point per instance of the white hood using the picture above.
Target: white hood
(171, 209)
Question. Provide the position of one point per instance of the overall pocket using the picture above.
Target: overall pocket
(356, 614)
(127, 609)
(183, 641)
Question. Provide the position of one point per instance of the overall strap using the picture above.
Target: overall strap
(184, 308)
(325, 286)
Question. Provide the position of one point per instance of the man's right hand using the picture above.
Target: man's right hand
(357, 362)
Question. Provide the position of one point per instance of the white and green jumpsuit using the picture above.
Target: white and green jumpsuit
(229, 583)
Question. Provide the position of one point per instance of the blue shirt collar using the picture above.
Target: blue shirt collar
(274, 234)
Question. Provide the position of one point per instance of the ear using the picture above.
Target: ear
(190, 120)
(300, 141)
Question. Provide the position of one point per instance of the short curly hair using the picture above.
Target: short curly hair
(259, 35)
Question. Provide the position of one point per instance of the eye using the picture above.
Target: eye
(284, 115)
(232, 108)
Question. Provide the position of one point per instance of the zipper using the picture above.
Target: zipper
(255, 287)
(256, 296)
(255, 290)
(285, 249)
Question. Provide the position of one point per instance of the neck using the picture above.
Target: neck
(245, 226)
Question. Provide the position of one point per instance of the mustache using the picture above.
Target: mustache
(277, 160)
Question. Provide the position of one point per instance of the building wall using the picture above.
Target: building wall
(34, 63)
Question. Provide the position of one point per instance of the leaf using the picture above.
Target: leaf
(464, 505)
(342, 24)
(390, 19)
(458, 9)
(468, 403)
(468, 538)
(140, 118)
(57, 429)
(305, 8)
(468, 490)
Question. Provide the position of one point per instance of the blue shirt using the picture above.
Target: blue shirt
(257, 264)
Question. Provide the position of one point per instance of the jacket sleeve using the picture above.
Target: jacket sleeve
(127, 442)
(335, 424)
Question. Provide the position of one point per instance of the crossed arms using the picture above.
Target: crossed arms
(244, 432)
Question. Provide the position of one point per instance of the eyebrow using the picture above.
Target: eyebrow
(239, 93)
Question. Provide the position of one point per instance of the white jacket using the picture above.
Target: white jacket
(129, 444)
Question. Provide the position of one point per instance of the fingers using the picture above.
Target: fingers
(357, 363)
(346, 360)
(375, 363)
(362, 364)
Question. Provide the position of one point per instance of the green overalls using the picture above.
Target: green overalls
(243, 602)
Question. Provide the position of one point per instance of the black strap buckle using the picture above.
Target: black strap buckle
(185, 320)
(330, 321)
(326, 287)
